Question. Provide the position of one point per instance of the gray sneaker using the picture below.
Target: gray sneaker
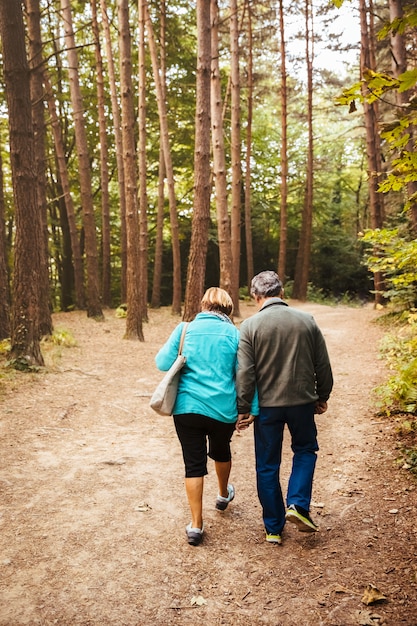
(221, 502)
(194, 535)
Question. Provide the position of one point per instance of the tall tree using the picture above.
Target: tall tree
(93, 282)
(373, 143)
(235, 139)
(159, 241)
(304, 245)
(117, 128)
(25, 335)
(202, 183)
(283, 229)
(134, 328)
(219, 157)
(4, 274)
(143, 197)
(169, 169)
(399, 66)
(37, 95)
(64, 177)
(248, 169)
(104, 163)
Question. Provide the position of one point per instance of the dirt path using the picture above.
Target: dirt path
(93, 511)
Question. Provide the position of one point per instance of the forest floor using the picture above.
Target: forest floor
(93, 509)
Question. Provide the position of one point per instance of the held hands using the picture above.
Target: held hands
(320, 407)
(244, 420)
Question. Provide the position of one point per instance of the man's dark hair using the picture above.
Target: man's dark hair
(266, 285)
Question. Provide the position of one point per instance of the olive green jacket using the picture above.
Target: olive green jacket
(283, 354)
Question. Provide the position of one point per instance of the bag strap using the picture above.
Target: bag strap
(184, 328)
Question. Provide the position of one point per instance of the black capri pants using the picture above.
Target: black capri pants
(193, 430)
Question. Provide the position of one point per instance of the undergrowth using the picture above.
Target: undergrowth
(398, 394)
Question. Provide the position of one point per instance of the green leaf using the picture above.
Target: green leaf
(407, 80)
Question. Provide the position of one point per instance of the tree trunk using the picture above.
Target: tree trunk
(117, 127)
(25, 335)
(373, 148)
(202, 182)
(143, 197)
(104, 167)
(66, 191)
(304, 245)
(248, 170)
(283, 231)
(235, 221)
(39, 129)
(134, 313)
(93, 291)
(4, 274)
(163, 121)
(399, 66)
(219, 159)
(157, 269)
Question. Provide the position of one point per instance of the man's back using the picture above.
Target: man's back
(290, 364)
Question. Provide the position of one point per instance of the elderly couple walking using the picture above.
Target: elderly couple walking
(275, 372)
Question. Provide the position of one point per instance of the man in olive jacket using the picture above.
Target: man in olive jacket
(282, 354)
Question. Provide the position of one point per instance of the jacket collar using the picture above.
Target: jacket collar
(271, 301)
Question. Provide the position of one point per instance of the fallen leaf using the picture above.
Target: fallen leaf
(198, 600)
(393, 511)
(372, 594)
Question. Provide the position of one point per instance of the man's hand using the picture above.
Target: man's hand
(320, 407)
(243, 421)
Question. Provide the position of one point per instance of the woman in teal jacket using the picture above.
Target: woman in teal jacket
(206, 405)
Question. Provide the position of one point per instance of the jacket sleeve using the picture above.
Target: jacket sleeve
(324, 375)
(169, 351)
(245, 375)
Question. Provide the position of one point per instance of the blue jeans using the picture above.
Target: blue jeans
(269, 432)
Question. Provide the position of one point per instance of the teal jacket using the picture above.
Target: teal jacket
(207, 383)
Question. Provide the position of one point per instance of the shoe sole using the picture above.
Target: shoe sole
(303, 526)
(274, 542)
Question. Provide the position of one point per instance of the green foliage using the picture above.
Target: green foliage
(396, 258)
(62, 337)
(121, 311)
(399, 392)
(22, 364)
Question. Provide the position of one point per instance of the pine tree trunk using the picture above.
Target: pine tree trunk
(219, 158)
(66, 192)
(202, 174)
(304, 245)
(399, 66)
(25, 335)
(143, 197)
(373, 149)
(283, 230)
(163, 121)
(117, 126)
(37, 96)
(93, 291)
(4, 274)
(235, 222)
(104, 167)
(134, 314)
(248, 172)
(157, 270)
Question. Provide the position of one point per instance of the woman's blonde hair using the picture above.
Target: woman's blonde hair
(216, 299)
